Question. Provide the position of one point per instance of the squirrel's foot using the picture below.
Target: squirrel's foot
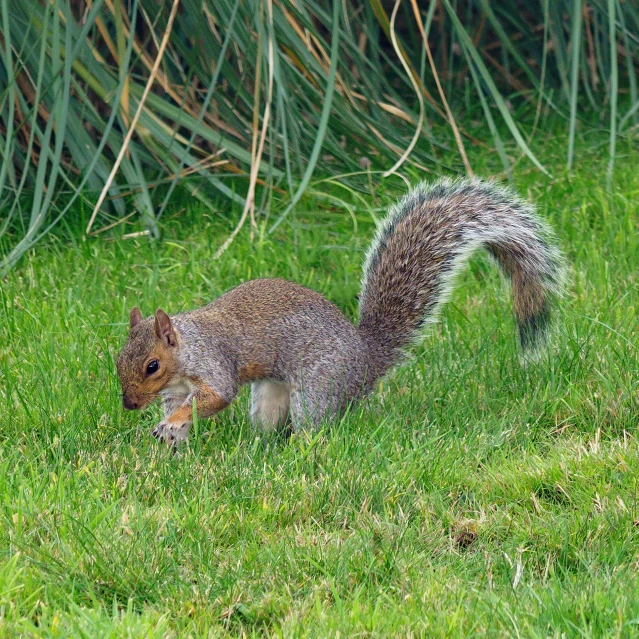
(171, 433)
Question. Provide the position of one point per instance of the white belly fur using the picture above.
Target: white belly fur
(270, 403)
(177, 389)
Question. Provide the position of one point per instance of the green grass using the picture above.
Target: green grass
(469, 495)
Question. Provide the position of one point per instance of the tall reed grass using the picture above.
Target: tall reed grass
(114, 103)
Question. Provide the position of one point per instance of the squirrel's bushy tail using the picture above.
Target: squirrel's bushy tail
(424, 242)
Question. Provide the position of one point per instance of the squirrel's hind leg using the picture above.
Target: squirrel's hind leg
(270, 402)
(313, 403)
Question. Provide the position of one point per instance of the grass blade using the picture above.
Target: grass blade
(614, 88)
(575, 51)
(466, 42)
(323, 125)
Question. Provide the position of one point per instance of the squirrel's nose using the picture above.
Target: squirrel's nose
(128, 403)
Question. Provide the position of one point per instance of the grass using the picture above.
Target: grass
(221, 102)
(468, 496)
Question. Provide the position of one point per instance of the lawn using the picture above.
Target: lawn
(468, 496)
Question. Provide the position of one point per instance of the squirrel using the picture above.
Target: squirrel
(303, 358)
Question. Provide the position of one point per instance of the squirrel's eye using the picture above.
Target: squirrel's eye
(152, 367)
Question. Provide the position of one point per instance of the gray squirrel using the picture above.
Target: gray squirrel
(303, 358)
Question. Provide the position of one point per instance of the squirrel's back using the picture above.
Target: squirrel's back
(277, 324)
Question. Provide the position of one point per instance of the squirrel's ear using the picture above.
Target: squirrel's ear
(163, 328)
(135, 316)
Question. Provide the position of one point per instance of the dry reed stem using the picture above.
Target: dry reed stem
(450, 118)
(592, 62)
(136, 117)
(249, 206)
(420, 121)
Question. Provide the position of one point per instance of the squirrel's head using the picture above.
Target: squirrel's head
(148, 361)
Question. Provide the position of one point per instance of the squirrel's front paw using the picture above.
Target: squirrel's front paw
(171, 433)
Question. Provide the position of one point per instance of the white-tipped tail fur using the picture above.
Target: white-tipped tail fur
(425, 241)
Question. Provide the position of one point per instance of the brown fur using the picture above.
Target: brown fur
(252, 372)
(301, 354)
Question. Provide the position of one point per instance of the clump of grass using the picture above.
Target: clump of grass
(467, 496)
